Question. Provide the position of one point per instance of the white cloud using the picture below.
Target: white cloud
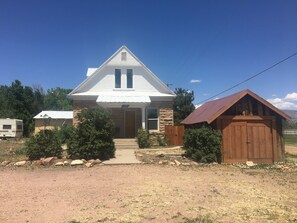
(291, 97)
(286, 102)
(195, 81)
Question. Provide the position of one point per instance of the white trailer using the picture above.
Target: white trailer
(11, 128)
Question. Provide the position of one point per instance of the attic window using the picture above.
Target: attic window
(124, 56)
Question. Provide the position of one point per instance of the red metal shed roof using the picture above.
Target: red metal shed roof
(209, 111)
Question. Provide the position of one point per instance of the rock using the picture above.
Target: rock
(76, 162)
(48, 161)
(160, 155)
(11, 164)
(194, 163)
(186, 164)
(59, 164)
(36, 163)
(97, 161)
(250, 163)
(66, 163)
(5, 163)
(177, 162)
(172, 163)
(89, 165)
(149, 217)
(84, 160)
(21, 163)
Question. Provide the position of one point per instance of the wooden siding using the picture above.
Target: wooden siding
(174, 135)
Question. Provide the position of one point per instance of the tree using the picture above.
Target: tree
(56, 99)
(182, 105)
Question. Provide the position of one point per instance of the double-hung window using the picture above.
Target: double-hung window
(117, 78)
(152, 119)
(129, 78)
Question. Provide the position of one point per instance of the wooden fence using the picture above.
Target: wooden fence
(174, 135)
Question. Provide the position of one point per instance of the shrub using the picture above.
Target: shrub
(161, 140)
(143, 138)
(65, 133)
(203, 144)
(43, 144)
(93, 136)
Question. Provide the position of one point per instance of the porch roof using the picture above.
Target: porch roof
(123, 99)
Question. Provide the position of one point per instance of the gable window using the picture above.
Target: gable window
(124, 56)
(129, 78)
(117, 78)
(152, 119)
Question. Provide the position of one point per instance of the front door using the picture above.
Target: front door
(130, 124)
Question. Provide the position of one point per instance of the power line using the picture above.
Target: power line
(246, 80)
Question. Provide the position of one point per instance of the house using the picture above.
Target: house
(52, 120)
(251, 127)
(135, 96)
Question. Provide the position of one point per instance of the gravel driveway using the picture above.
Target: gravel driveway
(147, 193)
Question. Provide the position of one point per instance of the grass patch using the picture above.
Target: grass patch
(290, 140)
(290, 157)
(12, 150)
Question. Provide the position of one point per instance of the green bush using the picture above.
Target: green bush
(43, 144)
(203, 144)
(93, 136)
(65, 133)
(143, 138)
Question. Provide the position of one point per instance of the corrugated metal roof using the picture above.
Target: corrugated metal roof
(209, 111)
(55, 115)
(123, 99)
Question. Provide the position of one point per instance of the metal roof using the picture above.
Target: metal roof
(54, 115)
(123, 99)
(209, 111)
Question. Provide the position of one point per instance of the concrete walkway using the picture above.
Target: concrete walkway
(123, 156)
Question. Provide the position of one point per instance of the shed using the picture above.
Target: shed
(52, 119)
(251, 127)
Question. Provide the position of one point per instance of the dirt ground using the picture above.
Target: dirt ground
(147, 193)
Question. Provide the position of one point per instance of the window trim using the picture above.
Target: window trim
(157, 119)
(115, 79)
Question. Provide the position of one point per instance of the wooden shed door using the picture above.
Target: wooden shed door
(234, 141)
(259, 142)
(130, 124)
(247, 140)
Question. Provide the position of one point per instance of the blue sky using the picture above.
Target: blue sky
(52, 43)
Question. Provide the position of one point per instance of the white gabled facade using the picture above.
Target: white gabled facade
(124, 82)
